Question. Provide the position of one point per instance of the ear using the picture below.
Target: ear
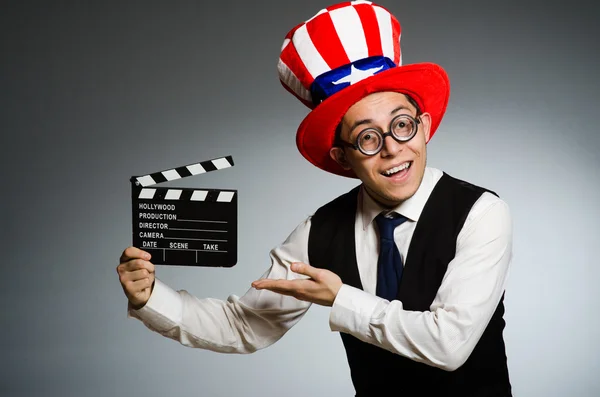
(426, 125)
(339, 156)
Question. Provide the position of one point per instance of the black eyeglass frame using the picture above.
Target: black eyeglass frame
(355, 146)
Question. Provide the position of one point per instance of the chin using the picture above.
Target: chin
(401, 192)
(399, 198)
(390, 199)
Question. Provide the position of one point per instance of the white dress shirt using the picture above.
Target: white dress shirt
(443, 337)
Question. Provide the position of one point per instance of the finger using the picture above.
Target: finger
(135, 287)
(134, 253)
(135, 275)
(138, 264)
(279, 286)
(306, 269)
(278, 290)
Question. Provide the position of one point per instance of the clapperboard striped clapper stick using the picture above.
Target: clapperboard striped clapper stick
(185, 226)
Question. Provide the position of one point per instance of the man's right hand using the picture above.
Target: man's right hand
(136, 274)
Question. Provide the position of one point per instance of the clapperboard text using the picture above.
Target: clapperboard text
(185, 226)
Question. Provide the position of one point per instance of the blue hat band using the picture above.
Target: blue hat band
(337, 79)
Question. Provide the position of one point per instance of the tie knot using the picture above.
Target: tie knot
(387, 223)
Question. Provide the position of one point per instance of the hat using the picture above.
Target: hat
(342, 54)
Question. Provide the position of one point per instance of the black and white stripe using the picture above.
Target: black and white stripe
(185, 171)
(185, 194)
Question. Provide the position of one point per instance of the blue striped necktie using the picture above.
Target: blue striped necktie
(389, 264)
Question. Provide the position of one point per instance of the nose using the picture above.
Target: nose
(391, 146)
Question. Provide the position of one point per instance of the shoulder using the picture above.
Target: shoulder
(486, 197)
(465, 187)
(489, 214)
(327, 212)
(342, 203)
(482, 195)
(492, 208)
(487, 205)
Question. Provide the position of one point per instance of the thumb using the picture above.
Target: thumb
(304, 268)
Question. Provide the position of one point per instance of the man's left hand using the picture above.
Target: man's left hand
(321, 288)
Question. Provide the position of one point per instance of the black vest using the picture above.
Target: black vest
(331, 245)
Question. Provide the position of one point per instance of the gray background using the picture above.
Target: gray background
(92, 93)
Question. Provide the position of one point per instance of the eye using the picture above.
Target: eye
(369, 140)
(402, 126)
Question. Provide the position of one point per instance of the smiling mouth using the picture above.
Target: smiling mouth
(402, 168)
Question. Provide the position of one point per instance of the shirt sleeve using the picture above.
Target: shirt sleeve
(472, 287)
(237, 325)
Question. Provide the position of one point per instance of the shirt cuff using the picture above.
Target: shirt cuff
(352, 310)
(163, 309)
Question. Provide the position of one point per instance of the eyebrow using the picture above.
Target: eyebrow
(368, 121)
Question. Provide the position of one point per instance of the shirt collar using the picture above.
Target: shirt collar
(410, 208)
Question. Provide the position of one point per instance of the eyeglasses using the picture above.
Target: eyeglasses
(370, 140)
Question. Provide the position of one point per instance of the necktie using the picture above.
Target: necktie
(389, 264)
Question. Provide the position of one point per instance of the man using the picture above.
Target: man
(412, 262)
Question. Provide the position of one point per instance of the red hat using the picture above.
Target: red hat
(342, 54)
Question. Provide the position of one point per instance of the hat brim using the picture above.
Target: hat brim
(426, 83)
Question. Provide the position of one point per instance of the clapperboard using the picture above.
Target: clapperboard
(185, 226)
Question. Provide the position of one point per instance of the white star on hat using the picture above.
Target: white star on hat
(357, 75)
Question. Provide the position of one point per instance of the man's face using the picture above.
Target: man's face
(377, 172)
